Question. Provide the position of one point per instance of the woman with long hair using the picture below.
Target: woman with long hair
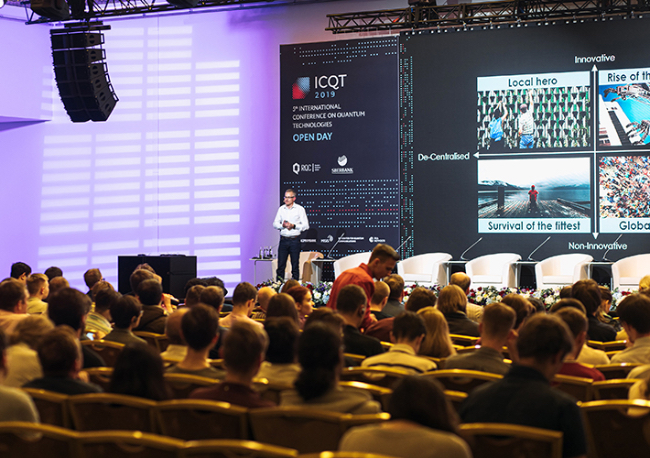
(437, 342)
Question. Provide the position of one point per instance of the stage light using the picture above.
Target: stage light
(184, 3)
(52, 9)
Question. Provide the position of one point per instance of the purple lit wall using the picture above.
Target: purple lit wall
(188, 161)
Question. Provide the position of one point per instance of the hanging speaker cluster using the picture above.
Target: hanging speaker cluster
(81, 72)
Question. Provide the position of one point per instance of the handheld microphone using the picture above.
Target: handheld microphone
(404, 243)
(529, 258)
(462, 256)
(332, 249)
(608, 249)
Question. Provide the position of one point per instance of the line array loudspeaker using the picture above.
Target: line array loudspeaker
(82, 75)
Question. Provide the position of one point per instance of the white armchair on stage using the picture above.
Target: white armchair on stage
(562, 270)
(496, 270)
(306, 270)
(424, 269)
(627, 272)
(348, 262)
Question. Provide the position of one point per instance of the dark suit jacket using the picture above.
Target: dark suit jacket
(358, 344)
(460, 324)
(600, 331)
(153, 319)
(393, 307)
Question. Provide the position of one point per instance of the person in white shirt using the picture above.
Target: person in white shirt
(290, 220)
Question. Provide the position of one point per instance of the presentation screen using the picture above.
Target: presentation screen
(339, 141)
(514, 135)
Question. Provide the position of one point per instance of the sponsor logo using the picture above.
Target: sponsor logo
(331, 81)
(329, 239)
(342, 160)
(376, 240)
(307, 240)
(297, 168)
(300, 88)
(342, 170)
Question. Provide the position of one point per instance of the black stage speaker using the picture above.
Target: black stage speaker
(53, 9)
(175, 271)
(82, 75)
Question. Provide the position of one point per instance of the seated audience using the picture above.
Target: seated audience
(379, 300)
(177, 348)
(351, 305)
(38, 287)
(422, 425)
(126, 313)
(317, 386)
(243, 352)
(52, 272)
(634, 314)
(496, 332)
(603, 316)
(20, 271)
(407, 334)
(139, 372)
(22, 360)
(437, 342)
(150, 295)
(264, 296)
(452, 302)
(213, 296)
(304, 302)
(70, 307)
(280, 365)
(138, 276)
(282, 305)
(577, 323)
(13, 304)
(289, 284)
(99, 320)
(199, 325)
(588, 293)
(524, 396)
(92, 277)
(243, 302)
(193, 295)
(461, 279)
(60, 357)
(394, 305)
(15, 404)
(523, 309)
(329, 317)
(57, 284)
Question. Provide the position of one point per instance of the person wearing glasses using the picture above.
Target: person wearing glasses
(290, 220)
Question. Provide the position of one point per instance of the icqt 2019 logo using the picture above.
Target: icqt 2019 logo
(300, 88)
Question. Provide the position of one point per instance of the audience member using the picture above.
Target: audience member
(264, 296)
(60, 357)
(394, 305)
(126, 313)
(523, 309)
(634, 313)
(57, 284)
(603, 315)
(452, 303)
(70, 307)
(91, 277)
(280, 365)
(38, 287)
(177, 348)
(317, 386)
(212, 296)
(379, 299)
(243, 352)
(537, 303)
(351, 305)
(20, 271)
(496, 330)
(199, 326)
(15, 404)
(588, 293)
(99, 320)
(381, 263)
(52, 272)
(193, 295)
(150, 295)
(422, 425)
(577, 323)
(461, 279)
(304, 303)
(22, 360)
(282, 305)
(289, 284)
(13, 304)
(407, 334)
(139, 372)
(524, 395)
(437, 342)
(243, 302)
(327, 316)
(137, 277)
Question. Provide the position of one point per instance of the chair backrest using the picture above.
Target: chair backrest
(353, 360)
(381, 394)
(491, 266)
(270, 391)
(162, 341)
(228, 448)
(606, 420)
(52, 407)
(348, 262)
(149, 337)
(564, 269)
(465, 341)
(343, 455)
(128, 444)
(492, 440)
(107, 411)
(429, 265)
(181, 385)
(627, 272)
(462, 379)
(109, 351)
(194, 419)
(100, 376)
(19, 439)
(616, 371)
(306, 430)
(614, 345)
(456, 398)
(380, 377)
(611, 389)
(578, 387)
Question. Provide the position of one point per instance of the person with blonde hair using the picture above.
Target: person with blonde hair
(437, 342)
(22, 359)
(452, 302)
(38, 288)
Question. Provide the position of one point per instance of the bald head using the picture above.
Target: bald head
(264, 295)
(462, 280)
(173, 327)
